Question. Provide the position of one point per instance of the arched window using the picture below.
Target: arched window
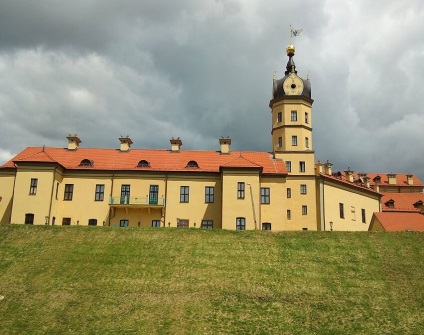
(143, 164)
(192, 164)
(86, 163)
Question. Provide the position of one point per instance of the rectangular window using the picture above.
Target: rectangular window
(182, 223)
(280, 117)
(156, 223)
(207, 224)
(240, 224)
(303, 189)
(307, 142)
(302, 166)
(265, 195)
(294, 115)
(69, 190)
(280, 142)
(66, 221)
(100, 192)
(341, 210)
(304, 210)
(266, 226)
(184, 193)
(364, 220)
(92, 222)
(288, 192)
(33, 186)
(294, 140)
(209, 194)
(288, 166)
(124, 223)
(240, 190)
(29, 218)
(306, 117)
(125, 194)
(288, 214)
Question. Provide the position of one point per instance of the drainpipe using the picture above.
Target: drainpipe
(166, 198)
(110, 196)
(253, 205)
(51, 195)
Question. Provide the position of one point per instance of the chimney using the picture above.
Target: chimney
(409, 179)
(392, 179)
(318, 168)
(328, 169)
(225, 145)
(73, 142)
(176, 144)
(366, 181)
(125, 143)
(349, 174)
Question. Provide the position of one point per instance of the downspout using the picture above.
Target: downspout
(51, 195)
(166, 198)
(13, 194)
(110, 196)
(323, 202)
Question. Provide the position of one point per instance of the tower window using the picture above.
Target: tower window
(306, 117)
(307, 142)
(280, 142)
(288, 214)
(302, 166)
(293, 115)
(288, 166)
(280, 117)
(303, 189)
(294, 140)
(288, 192)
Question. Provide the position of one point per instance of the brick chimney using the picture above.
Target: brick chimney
(125, 143)
(328, 168)
(225, 145)
(176, 144)
(349, 174)
(73, 142)
(392, 179)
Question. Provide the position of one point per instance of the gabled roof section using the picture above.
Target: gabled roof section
(159, 160)
(340, 177)
(392, 221)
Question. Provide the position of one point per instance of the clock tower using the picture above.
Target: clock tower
(291, 108)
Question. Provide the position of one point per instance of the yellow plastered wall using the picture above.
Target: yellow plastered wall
(7, 180)
(83, 206)
(298, 220)
(353, 202)
(196, 209)
(38, 203)
(232, 207)
(275, 211)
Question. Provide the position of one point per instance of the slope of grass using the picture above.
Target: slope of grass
(99, 280)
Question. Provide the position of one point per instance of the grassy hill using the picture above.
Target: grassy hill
(95, 280)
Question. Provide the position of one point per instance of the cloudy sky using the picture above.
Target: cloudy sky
(201, 69)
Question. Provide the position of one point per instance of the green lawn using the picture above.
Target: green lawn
(100, 280)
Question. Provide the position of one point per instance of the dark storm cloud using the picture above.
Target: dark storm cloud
(203, 69)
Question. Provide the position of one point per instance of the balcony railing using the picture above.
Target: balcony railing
(146, 200)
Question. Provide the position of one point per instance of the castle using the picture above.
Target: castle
(280, 190)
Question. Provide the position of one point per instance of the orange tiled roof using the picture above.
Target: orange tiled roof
(392, 221)
(401, 179)
(159, 160)
(340, 177)
(402, 201)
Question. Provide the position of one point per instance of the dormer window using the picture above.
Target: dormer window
(418, 204)
(390, 203)
(86, 163)
(192, 164)
(143, 164)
